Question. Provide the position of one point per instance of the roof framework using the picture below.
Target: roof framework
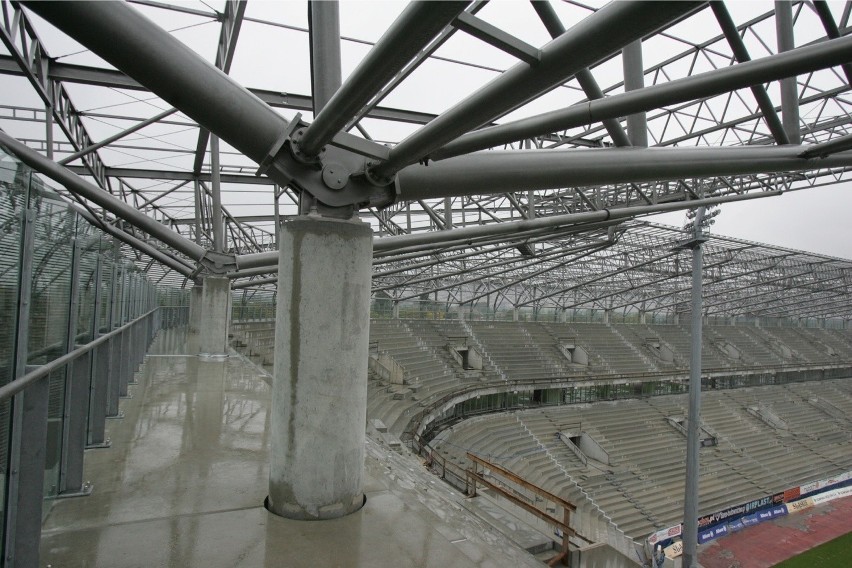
(510, 180)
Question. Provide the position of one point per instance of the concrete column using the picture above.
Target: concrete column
(563, 315)
(514, 314)
(607, 316)
(643, 317)
(195, 294)
(395, 313)
(677, 319)
(215, 317)
(319, 389)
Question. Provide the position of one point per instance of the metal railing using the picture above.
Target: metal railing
(96, 376)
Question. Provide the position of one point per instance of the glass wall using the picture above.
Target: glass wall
(63, 283)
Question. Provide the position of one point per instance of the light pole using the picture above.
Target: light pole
(699, 221)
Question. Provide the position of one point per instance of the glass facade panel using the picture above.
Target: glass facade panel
(54, 230)
(78, 283)
(12, 206)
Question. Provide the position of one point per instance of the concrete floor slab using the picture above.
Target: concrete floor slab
(185, 478)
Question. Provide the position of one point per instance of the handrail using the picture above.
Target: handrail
(9, 390)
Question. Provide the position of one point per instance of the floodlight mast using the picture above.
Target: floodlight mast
(700, 221)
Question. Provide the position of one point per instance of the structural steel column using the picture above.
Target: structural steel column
(634, 79)
(215, 317)
(326, 76)
(789, 91)
(690, 511)
(217, 221)
(319, 389)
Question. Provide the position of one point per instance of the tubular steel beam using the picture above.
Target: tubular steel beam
(216, 218)
(552, 223)
(173, 71)
(496, 37)
(604, 32)
(117, 136)
(418, 25)
(729, 28)
(833, 146)
(503, 171)
(634, 80)
(771, 68)
(831, 30)
(34, 63)
(175, 264)
(229, 33)
(789, 91)
(120, 209)
(85, 75)
(324, 30)
(412, 66)
(587, 81)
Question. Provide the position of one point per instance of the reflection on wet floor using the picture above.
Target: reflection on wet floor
(184, 480)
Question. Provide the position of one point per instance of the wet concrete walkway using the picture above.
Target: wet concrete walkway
(184, 480)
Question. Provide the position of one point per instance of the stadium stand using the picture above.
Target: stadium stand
(759, 440)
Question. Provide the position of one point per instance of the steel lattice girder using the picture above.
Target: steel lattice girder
(496, 188)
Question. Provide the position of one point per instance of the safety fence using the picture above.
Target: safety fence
(77, 312)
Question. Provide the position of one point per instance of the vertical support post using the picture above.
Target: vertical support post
(634, 78)
(74, 428)
(197, 188)
(566, 519)
(448, 213)
(690, 510)
(29, 444)
(324, 27)
(319, 388)
(124, 362)
(789, 91)
(98, 395)
(16, 511)
(76, 404)
(99, 364)
(218, 221)
(729, 28)
(114, 377)
(48, 125)
(276, 211)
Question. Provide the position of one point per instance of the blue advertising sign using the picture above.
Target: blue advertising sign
(711, 533)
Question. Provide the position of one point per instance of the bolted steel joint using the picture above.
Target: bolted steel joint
(335, 175)
(300, 156)
(379, 181)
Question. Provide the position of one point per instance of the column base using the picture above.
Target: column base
(327, 512)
